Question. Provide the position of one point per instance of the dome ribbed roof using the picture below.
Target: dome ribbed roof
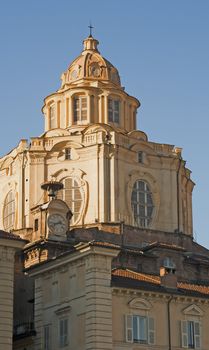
(90, 65)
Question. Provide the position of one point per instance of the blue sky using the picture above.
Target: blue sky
(160, 47)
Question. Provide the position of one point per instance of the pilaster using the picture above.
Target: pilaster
(38, 310)
(8, 247)
(98, 302)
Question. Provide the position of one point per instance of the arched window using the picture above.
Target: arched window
(52, 117)
(9, 211)
(142, 204)
(71, 194)
(80, 109)
(113, 110)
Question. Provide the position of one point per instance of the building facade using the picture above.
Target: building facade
(110, 261)
(9, 245)
(91, 145)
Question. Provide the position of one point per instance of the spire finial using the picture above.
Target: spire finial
(90, 29)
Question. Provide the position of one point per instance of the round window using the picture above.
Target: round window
(9, 211)
(142, 204)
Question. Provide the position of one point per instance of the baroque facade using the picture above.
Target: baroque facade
(110, 260)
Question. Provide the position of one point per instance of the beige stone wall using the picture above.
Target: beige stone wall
(76, 287)
(106, 172)
(150, 304)
(8, 247)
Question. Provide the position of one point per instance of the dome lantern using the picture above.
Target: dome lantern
(90, 44)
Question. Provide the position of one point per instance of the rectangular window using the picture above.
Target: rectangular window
(140, 329)
(80, 109)
(63, 332)
(140, 157)
(52, 116)
(190, 334)
(67, 153)
(47, 337)
(113, 111)
(36, 225)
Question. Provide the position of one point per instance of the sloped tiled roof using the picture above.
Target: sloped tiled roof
(136, 275)
(153, 281)
(194, 287)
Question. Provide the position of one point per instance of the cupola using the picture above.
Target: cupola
(90, 65)
(90, 93)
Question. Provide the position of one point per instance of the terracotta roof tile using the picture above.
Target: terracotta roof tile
(137, 276)
(194, 287)
(155, 280)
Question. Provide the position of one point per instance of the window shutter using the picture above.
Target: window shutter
(151, 330)
(61, 333)
(184, 334)
(129, 328)
(197, 337)
(47, 337)
(65, 332)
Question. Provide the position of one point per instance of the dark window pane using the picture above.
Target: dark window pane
(142, 203)
(141, 185)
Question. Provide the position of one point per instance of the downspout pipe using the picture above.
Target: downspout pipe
(169, 322)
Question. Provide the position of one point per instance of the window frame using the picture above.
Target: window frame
(69, 196)
(52, 116)
(132, 325)
(114, 114)
(68, 153)
(189, 330)
(63, 332)
(140, 157)
(79, 109)
(139, 204)
(10, 208)
(36, 224)
(47, 337)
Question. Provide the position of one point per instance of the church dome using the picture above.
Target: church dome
(90, 66)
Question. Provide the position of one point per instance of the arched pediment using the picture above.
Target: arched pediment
(193, 310)
(139, 135)
(58, 173)
(97, 127)
(142, 146)
(139, 303)
(55, 133)
(59, 146)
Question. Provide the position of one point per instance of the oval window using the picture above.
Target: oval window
(142, 204)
